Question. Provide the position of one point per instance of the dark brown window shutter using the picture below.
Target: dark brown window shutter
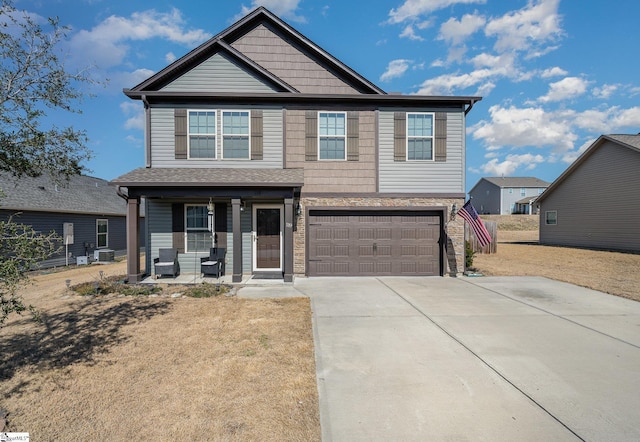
(440, 150)
(399, 136)
(311, 136)
(221, 217)
(180, 117)
(353, 134)
(177, 226)
(256, 135)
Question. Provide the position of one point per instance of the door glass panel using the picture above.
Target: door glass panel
(268, 238)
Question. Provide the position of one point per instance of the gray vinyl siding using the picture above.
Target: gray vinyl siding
(597, 203)
(486, 197)
(218, 74)
(84, 231)
(422, 176)
(163, 141)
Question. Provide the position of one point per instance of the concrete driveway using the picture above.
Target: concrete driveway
(456, 359)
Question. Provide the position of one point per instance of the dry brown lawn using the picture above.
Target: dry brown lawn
(519, 254)
(144, 368)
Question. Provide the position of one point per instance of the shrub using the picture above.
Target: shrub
(469, 254)
(206, 290)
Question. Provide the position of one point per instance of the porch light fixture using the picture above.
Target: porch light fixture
(298, 209)
(454, 210)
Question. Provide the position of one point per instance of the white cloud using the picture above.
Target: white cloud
(520, 127)
(456, 31)
(531, 26)
(395, 69)
(626, 118)
(281, 8)
(447, 84)
(553, 72)
(570, 157)
(106, 44)
(568, 87)
(134, 111)
(605, 91)
(411, 9)
(512, 163)
(409, 33)
(121, 80)
(170, 57)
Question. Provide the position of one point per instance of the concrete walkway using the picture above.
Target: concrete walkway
(491, 358)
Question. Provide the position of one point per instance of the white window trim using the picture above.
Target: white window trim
(546, 218)
(215, 135)
(105, 234)
(346, 125)
(210, 227)
(222, 134)
(523, 191)
(432, 137)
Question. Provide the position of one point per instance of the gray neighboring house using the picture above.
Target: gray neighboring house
(89, 207)
(507, 195)
(594, 203)
(264, 144)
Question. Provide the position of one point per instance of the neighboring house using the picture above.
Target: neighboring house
(89, 208)
(594, 203)
(261, 142)
(506, 195)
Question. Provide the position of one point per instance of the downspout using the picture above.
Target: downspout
(147, 131)
(121, 193)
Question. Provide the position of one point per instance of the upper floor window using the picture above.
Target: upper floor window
(202, 134)
(419, 136)
(198, 229)
(102, 232)
(332, 135)
(523, 192)
(235, 134)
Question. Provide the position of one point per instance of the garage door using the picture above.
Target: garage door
(380, 243)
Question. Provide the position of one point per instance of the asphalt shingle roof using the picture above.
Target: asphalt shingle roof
(175, 176)
(517, 181)
(82, 194)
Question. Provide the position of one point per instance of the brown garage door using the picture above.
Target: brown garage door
(379, 243)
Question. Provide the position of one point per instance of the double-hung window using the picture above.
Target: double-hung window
(332, 135)
(102, 233)
(419, 136)
(523, 192)
(235, 134)
(198, 230)
(202, 134)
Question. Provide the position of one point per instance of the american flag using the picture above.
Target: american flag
(469, 214)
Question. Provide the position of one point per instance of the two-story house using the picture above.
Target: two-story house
(507, 195)
(261, 142)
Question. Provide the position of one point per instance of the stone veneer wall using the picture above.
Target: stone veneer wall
(454, 248)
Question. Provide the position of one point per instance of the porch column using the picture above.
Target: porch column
(237, 240)
(288, 239)
(133, 241)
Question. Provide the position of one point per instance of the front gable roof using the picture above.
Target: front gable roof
(623, 140)
(224, 42)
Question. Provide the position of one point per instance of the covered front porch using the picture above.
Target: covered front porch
(248, 213)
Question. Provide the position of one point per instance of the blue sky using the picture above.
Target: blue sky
(553, 74)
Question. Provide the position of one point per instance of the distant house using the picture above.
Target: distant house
(87, 209)
(507, 195)
(594, 203)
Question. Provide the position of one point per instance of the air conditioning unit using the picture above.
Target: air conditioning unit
(103, 255)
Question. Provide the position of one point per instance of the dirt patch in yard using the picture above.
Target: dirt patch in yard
(518, 254)
(154, 368)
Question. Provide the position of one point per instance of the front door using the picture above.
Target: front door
(267, 241)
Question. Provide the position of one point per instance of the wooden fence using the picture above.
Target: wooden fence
(492, 228)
